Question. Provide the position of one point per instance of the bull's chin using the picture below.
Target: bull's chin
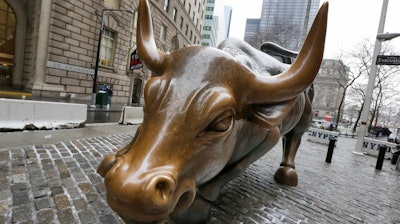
(133, 216)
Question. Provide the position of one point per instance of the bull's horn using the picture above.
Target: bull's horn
(147, 49)
(300, 75)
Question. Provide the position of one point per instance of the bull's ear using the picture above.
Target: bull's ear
(147, 48)
(269, 116)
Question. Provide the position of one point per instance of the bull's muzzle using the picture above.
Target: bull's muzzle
(147, 196)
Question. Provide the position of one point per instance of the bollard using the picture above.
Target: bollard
(332, 141)
(398, 165)
(381, 157)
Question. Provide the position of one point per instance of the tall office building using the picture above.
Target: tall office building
(228, 17)
(217, 22)
(291, 18)
(252, 29)
(210, 28)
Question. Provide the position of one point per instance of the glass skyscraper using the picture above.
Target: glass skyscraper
(287, 16)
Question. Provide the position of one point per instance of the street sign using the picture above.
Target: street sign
(135, 61)
(388, 60)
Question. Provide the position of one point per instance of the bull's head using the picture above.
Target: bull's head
(195, 103)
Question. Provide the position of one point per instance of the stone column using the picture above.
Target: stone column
(37, 82)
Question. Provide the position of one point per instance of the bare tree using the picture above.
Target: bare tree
(360, 63)
(345, 78)
(286, 34)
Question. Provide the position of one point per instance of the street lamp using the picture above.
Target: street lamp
(387, 36)
(380, 37)
(96, 68)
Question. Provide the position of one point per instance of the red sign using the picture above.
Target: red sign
(136, 63)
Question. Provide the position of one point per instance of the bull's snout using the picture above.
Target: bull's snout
(147, 196)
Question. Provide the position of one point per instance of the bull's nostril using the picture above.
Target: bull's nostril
(184, 201)
(163, 187)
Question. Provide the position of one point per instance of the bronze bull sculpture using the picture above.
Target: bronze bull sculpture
(209, 113)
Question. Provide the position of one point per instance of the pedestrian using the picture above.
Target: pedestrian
(330, 128)
(110, 93)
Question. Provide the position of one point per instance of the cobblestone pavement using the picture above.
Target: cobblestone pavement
(57, 183)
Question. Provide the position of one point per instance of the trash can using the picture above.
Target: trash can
(102, 98)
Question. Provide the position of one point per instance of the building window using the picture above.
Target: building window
(107, 48)
(210, 1)
(187, 28)
(166, 5)
(163, 32)
(181, 23)
(209, 17)
(210, 9)
(174, 14)
(112, 4)
(191, 35)
(190, 8)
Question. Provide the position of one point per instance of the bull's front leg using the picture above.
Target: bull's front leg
(286, 174)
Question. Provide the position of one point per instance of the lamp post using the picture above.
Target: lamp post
(380, 37)
(96, 68)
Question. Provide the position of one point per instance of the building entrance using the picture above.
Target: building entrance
(7, 43)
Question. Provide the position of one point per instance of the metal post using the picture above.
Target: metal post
(331, 146)
(398, 164)
(381, 157)
(371, 83)
(96, 68)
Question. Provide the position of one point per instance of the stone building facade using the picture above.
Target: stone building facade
(328, 86)
(54, 44)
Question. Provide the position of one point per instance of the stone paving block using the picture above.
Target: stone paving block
(74, 193)
(61, 201)
(109, 218)
(66, 216)
(56, 190)
(42, 203)
(21, 214)
(45, 216)
(40, 192)
(20, 198)
(80, 204)
(4, 208)
(86, 216)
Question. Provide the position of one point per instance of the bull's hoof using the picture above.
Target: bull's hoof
(197, 213)
(286, 176)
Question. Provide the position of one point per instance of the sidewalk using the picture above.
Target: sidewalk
(53, 180)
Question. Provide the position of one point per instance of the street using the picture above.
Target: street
(54, 180)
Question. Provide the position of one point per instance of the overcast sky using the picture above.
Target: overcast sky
(349, 21)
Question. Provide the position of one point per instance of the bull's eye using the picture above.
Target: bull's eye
(221, 123)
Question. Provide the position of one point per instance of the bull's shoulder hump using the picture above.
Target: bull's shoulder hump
(256, 60)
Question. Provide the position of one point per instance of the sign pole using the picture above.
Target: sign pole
(371, 83)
